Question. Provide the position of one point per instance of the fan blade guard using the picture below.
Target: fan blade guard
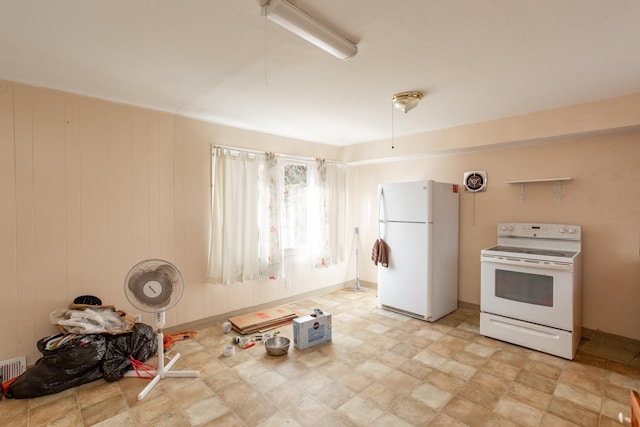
(154, 285)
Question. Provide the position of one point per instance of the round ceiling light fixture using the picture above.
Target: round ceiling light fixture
(406, 101)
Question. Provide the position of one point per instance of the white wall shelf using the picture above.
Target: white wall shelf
(522, 183)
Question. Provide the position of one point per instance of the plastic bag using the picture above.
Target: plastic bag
(141, 344)
(74, 362)
(90, 321)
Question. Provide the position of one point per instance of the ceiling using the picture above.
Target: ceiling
(220, 61)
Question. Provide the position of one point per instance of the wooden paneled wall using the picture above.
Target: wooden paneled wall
(88, 188)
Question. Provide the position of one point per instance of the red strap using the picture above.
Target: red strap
(141, 366)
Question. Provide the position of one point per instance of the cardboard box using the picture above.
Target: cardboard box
(311, 330)
(262, 320)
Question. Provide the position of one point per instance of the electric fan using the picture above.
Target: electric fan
(154, 286)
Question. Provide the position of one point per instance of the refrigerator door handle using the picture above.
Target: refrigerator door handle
(381, 221)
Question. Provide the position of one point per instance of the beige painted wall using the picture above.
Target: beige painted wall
(603, 198)
(91, 187)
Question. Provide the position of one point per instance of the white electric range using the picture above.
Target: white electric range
(531, 287)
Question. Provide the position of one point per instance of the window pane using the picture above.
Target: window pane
(295, 206)
(295, 175)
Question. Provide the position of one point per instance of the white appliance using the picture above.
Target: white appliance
(419, 223)
(531, 287)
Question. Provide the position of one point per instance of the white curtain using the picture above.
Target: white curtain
(326, 220)
(245, 235)
(248, 215)
(270, 185)
(234, 247)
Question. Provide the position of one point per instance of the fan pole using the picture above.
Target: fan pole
(163, 370)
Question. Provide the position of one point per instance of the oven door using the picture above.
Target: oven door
(540, 293)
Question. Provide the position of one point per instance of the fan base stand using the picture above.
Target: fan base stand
(163, 370)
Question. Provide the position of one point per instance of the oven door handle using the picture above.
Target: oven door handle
(532, 264)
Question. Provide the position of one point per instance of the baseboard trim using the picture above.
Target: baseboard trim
(208, 321)
(468, 306)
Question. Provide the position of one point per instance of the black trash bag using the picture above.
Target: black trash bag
(141, 343)
(73, 363)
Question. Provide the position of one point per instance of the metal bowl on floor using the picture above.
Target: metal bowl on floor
(277, 346)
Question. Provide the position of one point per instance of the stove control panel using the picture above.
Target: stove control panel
(543, 231)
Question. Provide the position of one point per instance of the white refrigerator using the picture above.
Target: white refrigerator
(419, 223)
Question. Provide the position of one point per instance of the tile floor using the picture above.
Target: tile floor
(381, 369)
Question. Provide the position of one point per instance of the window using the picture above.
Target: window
(314, 209)
(294, 206)
(264, 205)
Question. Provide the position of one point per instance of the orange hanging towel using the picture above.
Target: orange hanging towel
(380, 253)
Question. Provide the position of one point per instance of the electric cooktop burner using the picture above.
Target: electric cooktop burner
(530, 251)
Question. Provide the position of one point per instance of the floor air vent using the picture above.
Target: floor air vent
(13, 367)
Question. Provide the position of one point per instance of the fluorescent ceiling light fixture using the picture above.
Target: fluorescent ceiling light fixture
(291, 18)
